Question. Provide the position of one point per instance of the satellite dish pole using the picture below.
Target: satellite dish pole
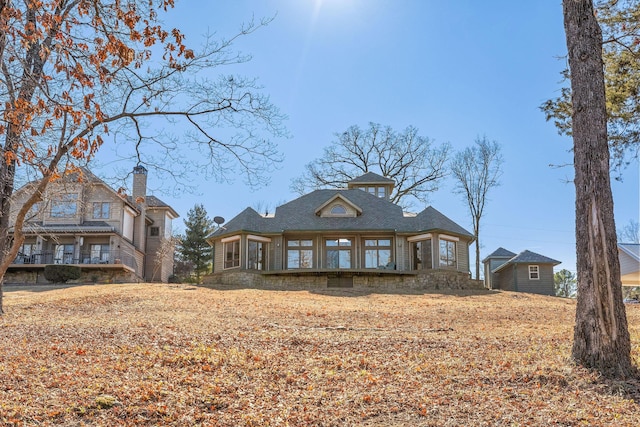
(219, 220)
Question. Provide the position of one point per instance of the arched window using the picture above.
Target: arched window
(338, 210)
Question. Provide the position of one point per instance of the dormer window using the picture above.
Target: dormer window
(338, 207)
(338, 210)
(378, 191)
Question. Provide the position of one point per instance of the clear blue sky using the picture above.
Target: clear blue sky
(454, 70)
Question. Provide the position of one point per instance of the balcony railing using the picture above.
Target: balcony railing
(85, 258)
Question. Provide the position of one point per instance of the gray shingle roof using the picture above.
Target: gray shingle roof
(85, 227)
(500, 253)
(371, 178)
(378, 214)
(528, 257)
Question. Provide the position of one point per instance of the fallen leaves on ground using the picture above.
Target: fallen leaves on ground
(129, 355)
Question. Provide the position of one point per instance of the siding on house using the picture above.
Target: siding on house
(96, 240)
(543, 286)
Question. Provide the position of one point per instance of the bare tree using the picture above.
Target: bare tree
(164, 255)
(630, 233)
(476, 170)
(601, 335)
(73, 71)
(411, 160)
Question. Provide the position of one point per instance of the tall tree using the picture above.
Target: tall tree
(601, 335)
(564, 282)
(620, 23)
(476, 170)
(73, 71)
(193, 247)
(411, 160)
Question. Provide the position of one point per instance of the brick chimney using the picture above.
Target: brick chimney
(139, 194)
(139, 184)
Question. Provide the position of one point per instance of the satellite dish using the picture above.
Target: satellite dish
(218, 220)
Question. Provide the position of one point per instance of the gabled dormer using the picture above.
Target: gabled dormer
(338, 206)
(374, 184)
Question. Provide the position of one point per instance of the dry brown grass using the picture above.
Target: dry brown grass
(177, 355)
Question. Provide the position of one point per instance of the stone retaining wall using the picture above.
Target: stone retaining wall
(426, 280)
(36, 277)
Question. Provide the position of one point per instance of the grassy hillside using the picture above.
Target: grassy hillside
(175, 355)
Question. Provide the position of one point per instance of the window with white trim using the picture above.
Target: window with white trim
(534, 272)
(338, 210)
(377, 253)
(255, 255)
(232, 254)
(64, 206)
(300, 253)
(101, 210)
(447, 253)
(338, 253)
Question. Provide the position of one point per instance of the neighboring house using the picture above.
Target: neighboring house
(342, 237)
(629, 254)
(83, 221)
(524, 272)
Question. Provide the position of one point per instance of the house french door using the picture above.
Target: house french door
(99, 253)
(64, 254)
(338, 253)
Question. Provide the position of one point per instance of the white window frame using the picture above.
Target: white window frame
(225, 242)
(100, 210)
(64, 205)
(447, 240)
(534, 270)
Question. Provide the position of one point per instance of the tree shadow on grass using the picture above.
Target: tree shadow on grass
(40, 288)
(628, 388)
(357, 292)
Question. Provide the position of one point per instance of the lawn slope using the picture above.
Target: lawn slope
(129, 355)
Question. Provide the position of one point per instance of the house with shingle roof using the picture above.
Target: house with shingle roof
(82, 221)
(524, 272)
(341, 237)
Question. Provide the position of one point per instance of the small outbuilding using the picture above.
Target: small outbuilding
(524, 272)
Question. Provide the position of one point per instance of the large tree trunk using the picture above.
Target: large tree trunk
(7, 173)
(601, 335)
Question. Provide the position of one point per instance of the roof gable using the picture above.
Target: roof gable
(325, 209)
(500, 253)
(432, 219)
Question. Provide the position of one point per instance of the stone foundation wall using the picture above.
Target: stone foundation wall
(427, 280)
(36, 277)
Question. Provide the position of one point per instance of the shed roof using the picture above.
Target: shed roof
(528, 257)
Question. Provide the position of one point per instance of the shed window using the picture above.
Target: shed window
(534, 272)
